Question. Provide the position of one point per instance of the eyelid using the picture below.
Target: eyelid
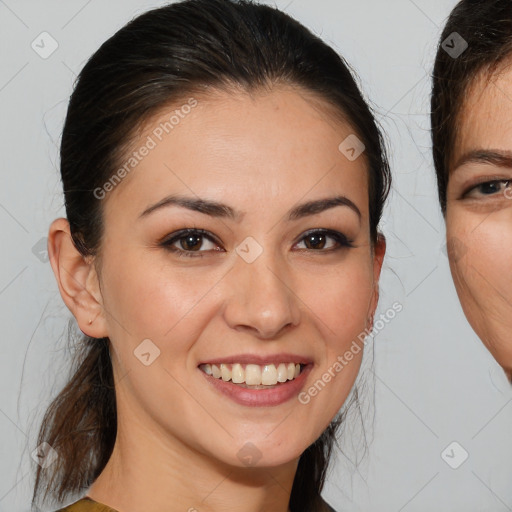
(483, 181)
(169, 240)
(173, 237)
(339, 237)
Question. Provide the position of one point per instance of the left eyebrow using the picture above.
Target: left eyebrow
(494, 157)
(320, 205)
(216, 209)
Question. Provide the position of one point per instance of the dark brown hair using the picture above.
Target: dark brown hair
(486, 27)
(161, 57)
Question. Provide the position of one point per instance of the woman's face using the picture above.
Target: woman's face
(279, 273)
(479, 213)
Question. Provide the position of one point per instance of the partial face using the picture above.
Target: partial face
(479, 213)
(251, 269)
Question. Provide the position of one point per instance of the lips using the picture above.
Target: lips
(260, 395)
(257, 380)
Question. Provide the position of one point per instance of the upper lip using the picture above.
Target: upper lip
(260, 359)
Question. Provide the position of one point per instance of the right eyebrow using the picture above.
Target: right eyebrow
(495, 157)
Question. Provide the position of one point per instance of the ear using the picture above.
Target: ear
(379, 252)
(77, 279)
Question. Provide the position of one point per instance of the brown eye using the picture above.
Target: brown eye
(318, 240)
(190, 242)
(315, 241)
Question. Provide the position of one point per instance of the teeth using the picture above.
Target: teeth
(237, 374)
(269, 375)
(253, 374)
(215, 370)
(225, 372)
(282, 373)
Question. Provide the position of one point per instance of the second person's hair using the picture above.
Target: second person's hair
(486, 27)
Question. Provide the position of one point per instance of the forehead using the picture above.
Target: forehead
(281, 144)
(485, 117)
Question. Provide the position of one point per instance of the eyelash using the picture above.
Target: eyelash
(340, 238)
(487, 181)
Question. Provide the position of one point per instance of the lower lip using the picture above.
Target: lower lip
(260, 397)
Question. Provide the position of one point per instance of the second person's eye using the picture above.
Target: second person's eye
(487, 188)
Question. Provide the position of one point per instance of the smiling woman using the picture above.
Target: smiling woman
(223, 275)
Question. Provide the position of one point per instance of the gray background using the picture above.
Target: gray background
(433, 381)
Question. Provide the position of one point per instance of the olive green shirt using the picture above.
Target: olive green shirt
(86, 504)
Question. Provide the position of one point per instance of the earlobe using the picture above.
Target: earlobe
(77, 280)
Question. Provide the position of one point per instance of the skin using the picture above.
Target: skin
(178, 437)
(479, 212)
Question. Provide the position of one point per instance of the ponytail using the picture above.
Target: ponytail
(80, 424)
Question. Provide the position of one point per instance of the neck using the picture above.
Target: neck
(153, 472)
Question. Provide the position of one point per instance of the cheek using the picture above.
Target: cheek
(340, 300)
(345, 300)
(480, 249)
(149, 300)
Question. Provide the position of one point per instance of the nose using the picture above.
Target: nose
(261, 299)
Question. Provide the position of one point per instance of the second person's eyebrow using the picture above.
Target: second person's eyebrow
(495, 157)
